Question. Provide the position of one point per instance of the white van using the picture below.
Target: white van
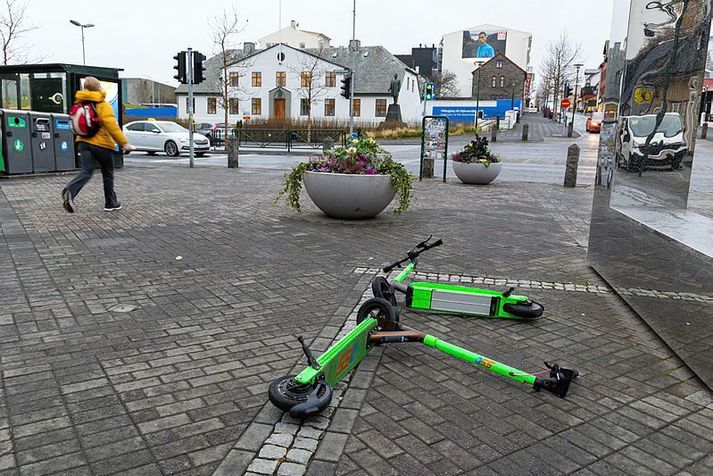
(667, 147)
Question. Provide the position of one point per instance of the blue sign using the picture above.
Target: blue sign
(61, 124)
(467, 113)
(64, 145)
(354, 135)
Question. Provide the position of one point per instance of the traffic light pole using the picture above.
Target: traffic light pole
(353, 72)
(189, 71)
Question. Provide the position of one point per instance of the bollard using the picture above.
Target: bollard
(704, 130)
(525, 131)
(570, 127)
(570, 173)
(231, 145)
(494, 131)
(327, 144)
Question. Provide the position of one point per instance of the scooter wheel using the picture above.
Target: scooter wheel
(526, 310)
(285, 393)
(382, 289)
(378, 308)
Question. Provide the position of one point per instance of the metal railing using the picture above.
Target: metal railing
(292, 138)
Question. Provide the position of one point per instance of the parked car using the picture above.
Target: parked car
(594, 122)
(205, 129)
(667, 147)
(218, 132)
(166, 136)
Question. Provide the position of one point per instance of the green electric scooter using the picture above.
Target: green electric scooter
(310, 391)
(450, 298)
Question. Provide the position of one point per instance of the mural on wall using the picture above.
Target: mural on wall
(483, 44)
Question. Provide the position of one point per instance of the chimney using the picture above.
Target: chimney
(420, 45)
(354, 45)
(293, 24)
(248, 47)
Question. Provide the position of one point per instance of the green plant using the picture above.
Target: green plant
(476, 152)
(361, 156)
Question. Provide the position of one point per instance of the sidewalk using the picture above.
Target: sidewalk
(143, 341)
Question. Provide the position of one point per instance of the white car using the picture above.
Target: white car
(164, 136)
(667, 147)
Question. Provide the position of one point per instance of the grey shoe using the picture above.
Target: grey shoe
(68, 201)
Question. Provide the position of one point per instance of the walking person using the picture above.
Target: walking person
(97, 146)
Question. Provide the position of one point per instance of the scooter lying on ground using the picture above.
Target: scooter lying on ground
(310, 391)
(451, 298)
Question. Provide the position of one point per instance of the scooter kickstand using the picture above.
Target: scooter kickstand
(311, 361)
(509, 292)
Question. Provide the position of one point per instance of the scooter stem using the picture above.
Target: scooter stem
(479, 360)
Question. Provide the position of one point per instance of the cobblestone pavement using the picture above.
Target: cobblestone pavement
(143, 341)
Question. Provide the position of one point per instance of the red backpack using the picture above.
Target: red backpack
(84, 119)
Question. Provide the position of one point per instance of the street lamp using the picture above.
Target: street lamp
(82, 26)
(576, 83)
(478, 64)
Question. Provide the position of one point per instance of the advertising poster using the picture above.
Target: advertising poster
(483, 44)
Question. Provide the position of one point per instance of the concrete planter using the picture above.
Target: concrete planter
(349, 196)
(476, 173)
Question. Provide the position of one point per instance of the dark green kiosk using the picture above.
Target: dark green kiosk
(48, 89)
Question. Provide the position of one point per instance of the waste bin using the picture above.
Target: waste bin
(16, 142)
(42, 142)
(63, 143)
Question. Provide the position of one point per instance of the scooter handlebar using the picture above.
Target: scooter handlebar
(417, 250)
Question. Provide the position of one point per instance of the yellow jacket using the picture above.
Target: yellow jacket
(109, 134)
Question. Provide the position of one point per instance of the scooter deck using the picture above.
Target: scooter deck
(454, 299)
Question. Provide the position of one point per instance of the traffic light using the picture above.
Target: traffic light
(430, 91)
(198, 67)
(347, 86)
(180, 67)
(567, 90)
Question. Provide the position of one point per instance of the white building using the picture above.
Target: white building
(296, 38)
(461, 49)
(274, 83)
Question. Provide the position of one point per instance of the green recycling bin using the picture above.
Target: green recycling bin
(16, 142)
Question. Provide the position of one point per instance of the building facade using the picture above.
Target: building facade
(294, 37)
(285, 83)
(463, 48)
(424, 60)
(147, 91)
(500, 78)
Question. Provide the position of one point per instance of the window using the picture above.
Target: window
(233, 106)
(136, 127)
(151, 127)
(233, 78)
(380, 108)
(357, 107)
(281, 78)
(330, 79)
(305, 79)
(256, 79)
(212, 105)
(329, 107)
(499, 64)
(302, 45)
(257, 106)
(304, 107)
(502, 81)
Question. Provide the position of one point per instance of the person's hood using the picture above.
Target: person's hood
(93, 96)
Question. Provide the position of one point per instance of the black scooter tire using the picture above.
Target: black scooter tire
(530, 310)
(381, 306)
(285, 394)
(382, 289)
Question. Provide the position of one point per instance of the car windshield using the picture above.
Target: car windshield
(172, 127)
(642, 126)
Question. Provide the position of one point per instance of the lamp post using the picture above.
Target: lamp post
(478, 64)
(576, 83)
(82, 26)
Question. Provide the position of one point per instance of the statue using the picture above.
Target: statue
(395, 88)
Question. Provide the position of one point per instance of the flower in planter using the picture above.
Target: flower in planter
(476, 152)
(361, 156)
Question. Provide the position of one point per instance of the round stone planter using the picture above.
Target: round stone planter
(349, 196)
(477, 174)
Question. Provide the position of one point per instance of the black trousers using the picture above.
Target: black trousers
(89, 155)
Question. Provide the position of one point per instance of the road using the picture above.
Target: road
(542, 161)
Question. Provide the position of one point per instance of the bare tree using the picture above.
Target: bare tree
(225, 29)
(558, 65)
(446, 83)
(13, 26)
(143, 91)
(313, 79)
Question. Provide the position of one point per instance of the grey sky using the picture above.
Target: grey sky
(141, 36)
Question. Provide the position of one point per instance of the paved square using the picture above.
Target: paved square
(143, 341)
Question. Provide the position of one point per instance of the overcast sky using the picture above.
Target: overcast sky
(141, 36)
